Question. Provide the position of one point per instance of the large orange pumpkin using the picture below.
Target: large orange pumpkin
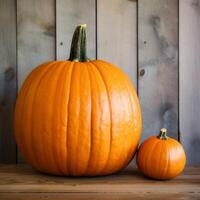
(77, 117)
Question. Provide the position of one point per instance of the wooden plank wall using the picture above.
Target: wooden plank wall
(158, 65)
(141, 37)
(189, 27)
(35, 35)
(7, 79)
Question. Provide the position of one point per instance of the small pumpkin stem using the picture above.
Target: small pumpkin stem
(78, 45)
(163, 134)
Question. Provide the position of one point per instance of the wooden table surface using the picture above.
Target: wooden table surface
(22, 182)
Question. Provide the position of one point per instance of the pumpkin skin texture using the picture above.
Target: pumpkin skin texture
(77, 118)
(161, 157)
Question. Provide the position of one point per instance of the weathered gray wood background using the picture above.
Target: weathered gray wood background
(155, 42)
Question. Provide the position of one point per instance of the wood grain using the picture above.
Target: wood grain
(117, 35)
(98, 196)
(20, 182)
(158, 65)
(8, 85)
(36, 35)
(189, 34)
(69, 14)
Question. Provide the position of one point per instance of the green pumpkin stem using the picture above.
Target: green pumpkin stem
(163, 134)
(78, 45)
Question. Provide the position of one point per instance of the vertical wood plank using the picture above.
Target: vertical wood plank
(7, 79)
(69, 14)
(158, 65)
(189, 34)
(117, 34)
(36, 35)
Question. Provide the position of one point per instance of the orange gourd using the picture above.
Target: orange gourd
(77, 117)
(161, 157)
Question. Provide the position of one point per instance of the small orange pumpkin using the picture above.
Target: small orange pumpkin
(161, 157)
(77, 117)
